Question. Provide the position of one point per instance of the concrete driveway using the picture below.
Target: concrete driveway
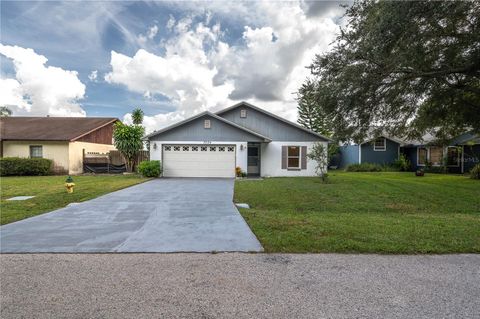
(162, 215)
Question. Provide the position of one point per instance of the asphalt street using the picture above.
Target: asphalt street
(239, 285)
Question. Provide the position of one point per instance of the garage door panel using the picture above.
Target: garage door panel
(198, 161)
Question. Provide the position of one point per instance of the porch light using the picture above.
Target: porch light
(154, 146)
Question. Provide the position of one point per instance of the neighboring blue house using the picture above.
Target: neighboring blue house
(462, 153)
(459, 156)
(382, 150)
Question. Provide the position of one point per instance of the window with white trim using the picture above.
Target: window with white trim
(243, 113)
(293, 157)
(36, 151)
(453, 156)
(206, 124)
(422, 155)
(380, 144)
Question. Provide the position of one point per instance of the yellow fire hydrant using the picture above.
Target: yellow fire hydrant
(69, 184)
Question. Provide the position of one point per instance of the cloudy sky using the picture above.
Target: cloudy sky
(172, 59)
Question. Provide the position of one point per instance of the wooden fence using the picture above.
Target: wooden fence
(116, 158)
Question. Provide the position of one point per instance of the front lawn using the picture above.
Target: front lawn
(51, 194)
(364, 212)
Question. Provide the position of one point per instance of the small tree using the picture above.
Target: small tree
(128, 140)
(319, 153)
(5, 111)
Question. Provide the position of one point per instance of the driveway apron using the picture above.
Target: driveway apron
(162, 215)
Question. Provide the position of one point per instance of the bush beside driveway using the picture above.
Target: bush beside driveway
(391, 213)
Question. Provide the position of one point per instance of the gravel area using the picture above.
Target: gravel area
(239, 285)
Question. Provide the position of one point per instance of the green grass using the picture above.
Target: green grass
(391, 213)
(51, 194)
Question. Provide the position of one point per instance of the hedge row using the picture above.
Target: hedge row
(16, 166)
(364, 167)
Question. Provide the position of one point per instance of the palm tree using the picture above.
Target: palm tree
(137, 116)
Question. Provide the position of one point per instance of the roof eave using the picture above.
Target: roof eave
(168, 128)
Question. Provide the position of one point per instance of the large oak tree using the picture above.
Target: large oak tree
(402, 67)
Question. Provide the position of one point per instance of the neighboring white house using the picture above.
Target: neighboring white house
(245, 136)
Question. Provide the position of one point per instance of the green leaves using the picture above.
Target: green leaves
(137, 116)
(128, 140)
(402, 67)
(310, 114)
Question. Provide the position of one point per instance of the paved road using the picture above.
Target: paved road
(239, 285)
(162, 215)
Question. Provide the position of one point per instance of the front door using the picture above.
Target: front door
(253, 160)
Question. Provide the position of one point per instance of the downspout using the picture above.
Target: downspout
(463, 157)
(359, 153)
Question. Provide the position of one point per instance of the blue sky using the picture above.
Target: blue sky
(172, 59)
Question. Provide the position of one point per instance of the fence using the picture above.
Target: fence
(111, 162)
(116, 158)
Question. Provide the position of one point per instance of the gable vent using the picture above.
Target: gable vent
(206, 124)
(243, 113)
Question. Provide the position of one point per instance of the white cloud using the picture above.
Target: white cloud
(188, 84)
(200, 70)
(151, 33)
(11, 95)
(39, 89)
(93, 76)
(170, 22)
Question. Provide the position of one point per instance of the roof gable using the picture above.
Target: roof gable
(50, 128)
(390, 138)
(192, 129)
(269, 124)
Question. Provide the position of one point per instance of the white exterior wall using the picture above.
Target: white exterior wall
(76, 154)
(271, 160)
(240, 155)
(56, 151)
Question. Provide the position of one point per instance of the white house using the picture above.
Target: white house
(214, 144)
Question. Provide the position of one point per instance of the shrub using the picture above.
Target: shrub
(364, 167)
(150, 168)
(16, 166)
(435, 169)
(475, 172)
(320, 154)
(402, 163)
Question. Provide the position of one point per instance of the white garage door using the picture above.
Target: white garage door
(199, 160)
